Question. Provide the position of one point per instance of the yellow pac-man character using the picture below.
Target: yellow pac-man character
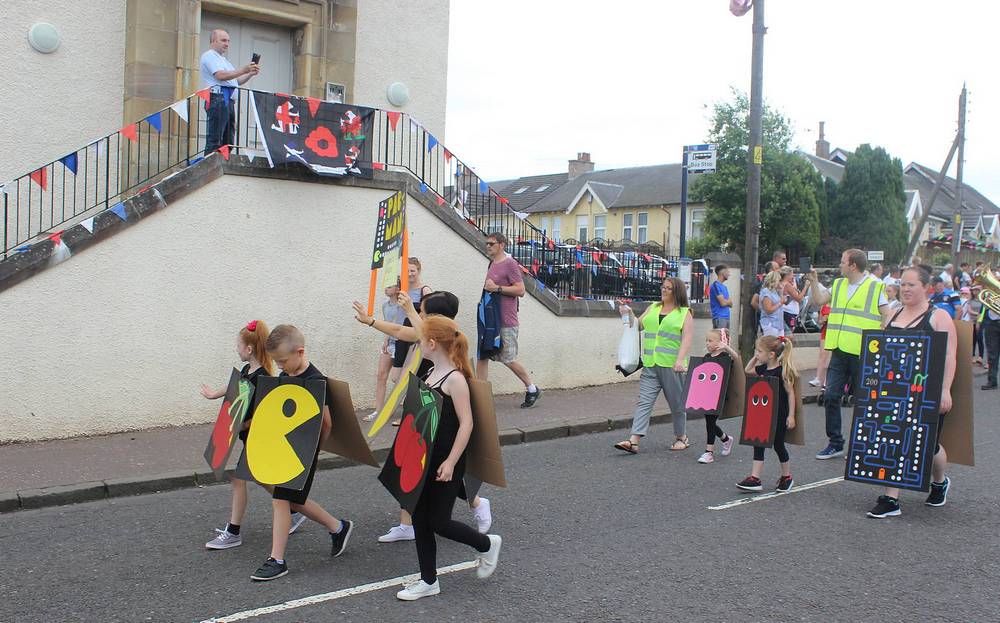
(873, 346)
(270, 456)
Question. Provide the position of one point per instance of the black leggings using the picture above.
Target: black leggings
(779, 444)
(433, 516)
(713, 430)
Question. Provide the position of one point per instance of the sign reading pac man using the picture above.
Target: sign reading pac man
(284, 436)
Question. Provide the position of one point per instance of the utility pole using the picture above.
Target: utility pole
(684, 203)
(956, 232)
(755, 158)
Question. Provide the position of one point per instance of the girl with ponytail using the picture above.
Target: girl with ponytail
(773, 357)
(448, 350)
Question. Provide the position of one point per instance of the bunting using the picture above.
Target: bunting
(423, 187)
(447, 156)
(119, 210)
(439, 199)
(313, 105)
(40, 177)
(88, 224)
(393, 119)
(224, 150)
(60, 252)
(155, 121)
(206, 95)
(431, 142)
(483, 187)
(131, 132)
(181, 108)
(70, 162)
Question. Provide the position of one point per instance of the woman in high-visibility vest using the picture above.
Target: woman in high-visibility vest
(667, 328)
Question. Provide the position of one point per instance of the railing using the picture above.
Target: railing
(123, 163)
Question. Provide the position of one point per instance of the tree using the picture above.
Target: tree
(792, 191)
(869, 211)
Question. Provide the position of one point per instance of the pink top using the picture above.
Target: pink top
(506, 272)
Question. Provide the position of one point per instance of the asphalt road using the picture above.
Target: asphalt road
(589, 534)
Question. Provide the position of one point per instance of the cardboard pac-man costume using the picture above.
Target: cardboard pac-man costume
(227, 427)
(956, 436)
(706, 389)
(407, 467)
(760, 419)
(284, 438)
(346, 438)
(735, 390)
(797, 435)
(483, 458)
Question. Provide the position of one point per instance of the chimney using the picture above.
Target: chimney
(581, 165)
(822, 145)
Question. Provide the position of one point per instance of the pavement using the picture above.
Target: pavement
(590, 534)
(66, 471)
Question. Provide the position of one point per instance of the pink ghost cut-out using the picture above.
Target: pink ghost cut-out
(705, 387)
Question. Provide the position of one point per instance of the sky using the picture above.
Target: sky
(531, 84)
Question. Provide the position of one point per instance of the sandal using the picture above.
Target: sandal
(628, 446)
(681, 443)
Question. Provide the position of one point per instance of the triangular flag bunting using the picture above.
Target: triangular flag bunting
(503, 200)
(119, 209)
(195, 160)
(205, 94)
(520, 215)
(250, 154)
(440, 200)
(69, 161)
(378, 166)
(447, 156)
(156, 121)
(313, 105)
(552, 244)
(483, 186)
(423, 187)
(56, 237)
(413, 126)
(224, 150)
(88, 224)
(393, 119)
(24, 249)
(131, 132)
(40, 177)
(61, 252)
(431, 142)
(181, 108)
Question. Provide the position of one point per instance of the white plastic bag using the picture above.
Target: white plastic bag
(628, 348)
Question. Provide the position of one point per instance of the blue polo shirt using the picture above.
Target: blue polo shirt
(717, 288)
(947, 300)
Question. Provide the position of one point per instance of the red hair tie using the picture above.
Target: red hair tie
(252, 325)
(781, 338)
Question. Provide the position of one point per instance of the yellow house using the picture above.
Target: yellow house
(637, 204)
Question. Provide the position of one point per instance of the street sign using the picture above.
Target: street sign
(876, 256)
(701, 158)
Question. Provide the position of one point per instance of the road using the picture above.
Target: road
(589, 534)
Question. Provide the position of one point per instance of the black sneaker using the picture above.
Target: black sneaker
(530, 398)
(750, 483)
(270, 570)
(886, 507)
(338, 542)
(939, 493)
(989, 386)
(785, 483)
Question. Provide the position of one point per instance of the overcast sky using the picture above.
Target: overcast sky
(530, 84)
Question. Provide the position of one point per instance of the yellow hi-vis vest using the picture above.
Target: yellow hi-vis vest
(849, 316)
(661, 339)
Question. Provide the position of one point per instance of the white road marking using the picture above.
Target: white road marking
(344, 592)
(774, 494)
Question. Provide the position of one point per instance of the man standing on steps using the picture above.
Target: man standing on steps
(504, 278)
(221, 79)
(857, 302)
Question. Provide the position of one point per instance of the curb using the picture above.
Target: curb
(30, 499)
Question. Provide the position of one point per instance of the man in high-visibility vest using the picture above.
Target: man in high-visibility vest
(857, 302)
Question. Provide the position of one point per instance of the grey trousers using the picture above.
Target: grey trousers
(651, 382)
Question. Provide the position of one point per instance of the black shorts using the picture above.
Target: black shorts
(298, 497)
(402, 349)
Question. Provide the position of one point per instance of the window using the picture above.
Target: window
(520, 190)
(697, 224)
(627, 226)
(643, 227)
(581, 228)
(601, 226)
(542, 187)
(556, 228)
(543, 224)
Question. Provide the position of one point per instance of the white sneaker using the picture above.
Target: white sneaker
(370, 417)
(224, 540)
(727, 446)
(707, 457)
(297, 520)
(815, 382)
(419, 589)
(398, 533)
(488, 559)
(483, 515)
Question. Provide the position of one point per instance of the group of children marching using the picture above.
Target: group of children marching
(447, 371)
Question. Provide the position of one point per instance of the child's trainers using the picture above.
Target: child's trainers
(297, 520)
(483, 516)
(727, 446)
(418, 589)
(785, 483)
(338, 541)
(939, 493)
(707, 457)
(401, 532)
(224, 540)
(750, 483)
(886, 507)
(270, 570)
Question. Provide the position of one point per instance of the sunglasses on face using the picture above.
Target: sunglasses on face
(491, 244)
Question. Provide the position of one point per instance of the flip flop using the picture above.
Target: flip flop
(627, 446)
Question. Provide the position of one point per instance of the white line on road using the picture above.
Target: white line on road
(344, 592)
(768, 496)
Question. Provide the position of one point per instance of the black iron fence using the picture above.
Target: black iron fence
(100, 175)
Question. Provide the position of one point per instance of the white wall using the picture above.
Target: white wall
(55, 103)
(121, 335)
(405, 42)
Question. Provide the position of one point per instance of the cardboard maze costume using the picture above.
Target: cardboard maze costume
(760, 420)
(235, 405)
(483, 459)
(897, 401)
(407, 467)
(956, 436)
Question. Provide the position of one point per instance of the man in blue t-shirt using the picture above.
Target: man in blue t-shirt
(945, 298)
(719, 297)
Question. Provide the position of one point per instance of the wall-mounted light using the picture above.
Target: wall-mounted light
(44, 37)
(398, 94)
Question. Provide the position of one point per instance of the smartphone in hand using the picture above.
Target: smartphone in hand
(255, 58)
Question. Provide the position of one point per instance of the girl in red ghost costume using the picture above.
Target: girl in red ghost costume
(773, 357)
